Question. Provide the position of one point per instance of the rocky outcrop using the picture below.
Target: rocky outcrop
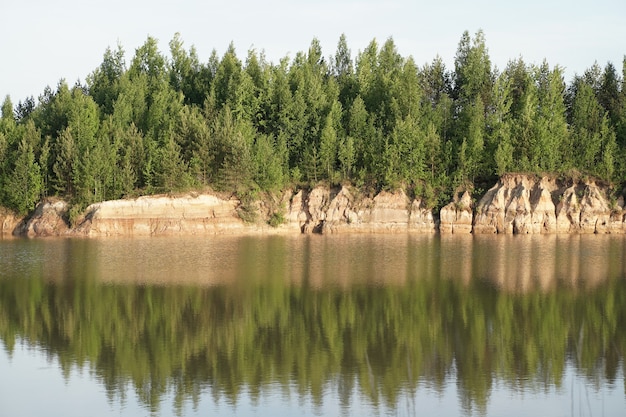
(421, 219)
(617, 219)
(162, 215)
(320, 210)
(522, 204)
(517, 204)
(9, 222)
(457, 216)
(595, 211)
(339, 211)
(384, 213)
(49, 219)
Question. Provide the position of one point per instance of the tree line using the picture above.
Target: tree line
(166, 123)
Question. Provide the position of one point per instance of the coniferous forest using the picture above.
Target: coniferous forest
(156, 122)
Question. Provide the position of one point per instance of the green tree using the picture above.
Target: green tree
(151, 63)
(609, 93)
(407, 91)
(503, 156)
(435, 81)
(269, 161)
(163, 114)
(89, 160)
(187, 75)
(591, 133)
(620, 124)
(471, 158)
(367, 143)
(472, 70)
(131, 159)
(343, 70)
(329, 142)
(24, 109)
(24, 184)
(51, 114)
(258, 97)
(608, 151)
(499, 147)
(7, 118)
(551, 130)
(227, 79)
(66, 155)
(404, 155)
(387, 73)
(104, 82)
(153, 104)
(170, 168)
(44, 165)
(432, 150)
(130, 107)
(366, 64)
(195, 139)
(93, 173)
(346, 155)
(234, 161)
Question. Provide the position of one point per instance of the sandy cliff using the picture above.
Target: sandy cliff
(340, 211)
(48, 219)
(8, 222)
(162, 215)
(517, 204)
(457, 216)
(522, 204)
(319, 210)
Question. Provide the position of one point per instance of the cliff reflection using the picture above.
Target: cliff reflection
(384, 314)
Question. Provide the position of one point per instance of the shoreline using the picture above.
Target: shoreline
(516, 204)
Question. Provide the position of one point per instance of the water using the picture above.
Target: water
(313, 325)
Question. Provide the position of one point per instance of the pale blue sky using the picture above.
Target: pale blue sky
(46, 40)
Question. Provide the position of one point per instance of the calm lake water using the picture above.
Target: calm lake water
(395, 325)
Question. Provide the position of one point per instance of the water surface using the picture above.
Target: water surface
(313, 325)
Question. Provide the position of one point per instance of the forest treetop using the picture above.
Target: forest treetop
(161, 123)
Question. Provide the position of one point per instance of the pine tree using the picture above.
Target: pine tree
(343, 70)
(104, 82)
(269, 173)
(550, 125)
(170, 170)
(347, 156)
(66, 152)
(472, 70)
(475, 139)
(24, 184)
(329, 141)
(499, 144)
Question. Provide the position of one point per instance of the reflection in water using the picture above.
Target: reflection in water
(373, 316)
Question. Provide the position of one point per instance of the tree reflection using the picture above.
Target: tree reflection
(422, 330)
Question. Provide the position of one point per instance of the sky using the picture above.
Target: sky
(44, 41)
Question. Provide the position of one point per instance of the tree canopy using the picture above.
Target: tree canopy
(168, 122)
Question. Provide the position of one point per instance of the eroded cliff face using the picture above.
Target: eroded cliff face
(320, 210)
(340, 211)
(457, 216)
(522, 204)
(49, 219)
(162, 215)
(8, 222)
(517, 204)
